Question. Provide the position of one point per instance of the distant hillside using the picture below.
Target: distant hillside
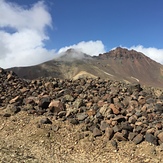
(119, 64)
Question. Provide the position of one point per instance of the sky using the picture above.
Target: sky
(34, 31)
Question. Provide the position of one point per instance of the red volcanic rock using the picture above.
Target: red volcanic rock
(114, 109)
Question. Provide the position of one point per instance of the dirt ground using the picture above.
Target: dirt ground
(24, 140)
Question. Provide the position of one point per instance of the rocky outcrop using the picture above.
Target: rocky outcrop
(116, 110)
(122, 53)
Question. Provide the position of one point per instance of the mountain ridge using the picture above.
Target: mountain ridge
(118, 64)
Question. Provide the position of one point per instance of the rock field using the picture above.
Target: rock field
(94, 112)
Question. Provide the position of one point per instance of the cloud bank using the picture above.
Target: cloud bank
(153, 53)
(22, 34)
(91, 47)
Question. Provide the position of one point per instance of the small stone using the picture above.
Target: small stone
(138, 129)
(55, 128)
(159, 126)
(103, 125)
(117, 128)
(96, 132)
(125, 133)
(131, 135)
(119, 118)
(100, 103)
(119, 136)
(56, 106)
(78, 103)
(44, 102)
(109, 133)
(141, 100)
(132, 119)
(114, 109)
(24, 89)
(103, 110)
(151, 130)
(81, 116)
(91, 112)
(149, 100)
(160, 136)
(151, 138)
(74, 121)
(6, 115)
(126, 126)
(9, 76)
(45, 121)
(138, 123)
(138, 139)
(114, 144)
(14, 100)
(68, 98)
(99, 115)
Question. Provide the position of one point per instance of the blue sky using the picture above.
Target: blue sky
(91, 24)
(126, 23)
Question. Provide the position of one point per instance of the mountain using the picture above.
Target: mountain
(118, 64)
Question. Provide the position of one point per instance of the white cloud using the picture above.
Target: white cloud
(24, 46)
(91, 47)
(151, 52)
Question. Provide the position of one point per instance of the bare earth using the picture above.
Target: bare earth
(24, 139)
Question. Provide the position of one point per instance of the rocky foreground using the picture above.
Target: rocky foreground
(104, 110)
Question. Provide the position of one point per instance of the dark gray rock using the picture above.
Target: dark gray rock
(44, 102)
(114, 144)
(151, 138)
(131, 135)
(126, 126)
(138, 129)
(158, 107)
(45, 121)
(96, 132)
(117, 128)
(104, 125)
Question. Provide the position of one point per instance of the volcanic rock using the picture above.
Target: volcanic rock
(96, 132)
(45, 121)
(151, 138)
(138, 139)
(120, 111)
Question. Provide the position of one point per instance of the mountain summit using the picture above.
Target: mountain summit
(122, 53)
(118, 64)
(72, 54)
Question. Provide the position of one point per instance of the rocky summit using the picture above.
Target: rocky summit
(113, 109)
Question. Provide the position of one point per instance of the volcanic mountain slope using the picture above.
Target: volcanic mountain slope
(119, 64)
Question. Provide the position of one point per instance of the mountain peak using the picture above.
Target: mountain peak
(73, 54)
(122, 53)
